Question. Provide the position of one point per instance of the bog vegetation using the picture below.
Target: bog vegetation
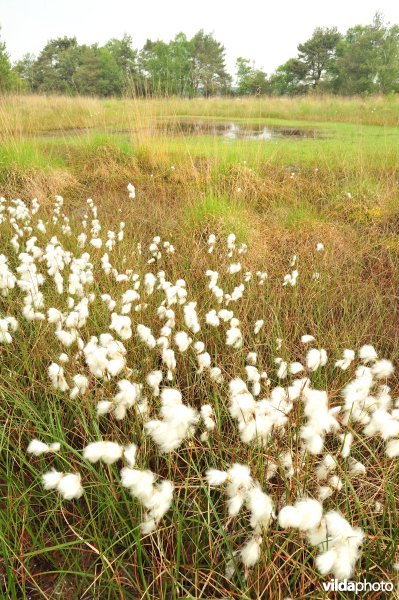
(199, 348)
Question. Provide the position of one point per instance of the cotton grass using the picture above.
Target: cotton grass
(168, 373)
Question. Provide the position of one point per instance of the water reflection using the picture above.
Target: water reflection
(234, 130)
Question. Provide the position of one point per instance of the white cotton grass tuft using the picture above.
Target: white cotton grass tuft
(368, 354)
(154, 379)
(356, 468)
(291, 278)
(155, 497)
(343, 547)
(128, 396)
(178, 421)
(295, 368)
(289, 517)
(216, 375)
(81, 384)
(108, 452)
(7, 324)
(37, 448)
(304, 515)
(212, 319)
(241, 490)
(216, 477)
(234, 337)
(250, 552)
(51, 479)
(258, 326)
(320, 420)
(56, 374)
(282, 370)
(182, 341)
(347, 440)
(324, 492)
(69, 485)
(251, 358)
(316, 358)
(327, 466)
(132, 191)
(346, 361)
(204, 362)
(339, 543)
(208, 419)
(146, 336)
(260, 506)
(382, 369)
(392, 448)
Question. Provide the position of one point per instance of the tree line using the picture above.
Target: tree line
(364, 60)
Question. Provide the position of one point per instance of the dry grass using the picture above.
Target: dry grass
(27, 114)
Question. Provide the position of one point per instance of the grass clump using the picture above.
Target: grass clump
(219, 213)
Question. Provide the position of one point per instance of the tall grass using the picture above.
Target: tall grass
(281, 200)
(28, 114)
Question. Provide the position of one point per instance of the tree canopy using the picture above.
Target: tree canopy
(9, 78)
(364, 60)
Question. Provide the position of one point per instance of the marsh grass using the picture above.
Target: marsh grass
(93, 548)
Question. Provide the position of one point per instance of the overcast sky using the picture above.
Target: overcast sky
(265, 31)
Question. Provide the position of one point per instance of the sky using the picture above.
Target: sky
(267, 32)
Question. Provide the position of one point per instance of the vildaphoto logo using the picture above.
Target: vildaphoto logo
(346, 585)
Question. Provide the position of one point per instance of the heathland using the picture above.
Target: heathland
(310, 189)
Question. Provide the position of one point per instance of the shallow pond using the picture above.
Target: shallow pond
(234, 130)
(230, 130)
